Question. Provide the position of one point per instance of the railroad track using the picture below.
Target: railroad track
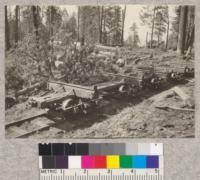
(40, 121)
(28, 126)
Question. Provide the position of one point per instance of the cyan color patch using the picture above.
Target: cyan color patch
(139, 161)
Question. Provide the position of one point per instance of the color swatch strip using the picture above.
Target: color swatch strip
(99, 161)
(65, 149)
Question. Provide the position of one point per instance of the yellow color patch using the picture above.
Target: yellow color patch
(112, 162)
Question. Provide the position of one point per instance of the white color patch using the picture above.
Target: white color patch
(161, 162)
(40, 162)
(156, 148)
(74, 162)
(144, 149)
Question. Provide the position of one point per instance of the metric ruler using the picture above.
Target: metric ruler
(101, 161)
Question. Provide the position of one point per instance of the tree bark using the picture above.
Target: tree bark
(123, 21)
(51, 22)
(158, 37)
(16, 25)
(78, 25)
(104, 29)
(50, 60)
(191, 42)
(36, 23)
(152, 29)
(101, 24)
(182, 30)
(190, 24)
(19, 27)
(82, 25)
(147, 40)
(7, 32)
(167, 37)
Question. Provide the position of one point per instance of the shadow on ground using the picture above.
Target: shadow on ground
(108, 107)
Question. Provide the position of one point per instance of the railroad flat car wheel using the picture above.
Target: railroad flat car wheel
(155, 82)
(10, 101)
(122, 89)
(66, 104)
(125, 90)
(187, 70)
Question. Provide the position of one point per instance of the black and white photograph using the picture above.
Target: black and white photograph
(117, 71)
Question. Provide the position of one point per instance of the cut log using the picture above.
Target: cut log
(122, 75)
(148, 68)
(187, 100)
(46, 101)
(181, 93)
(73, 89)
(52, 84)
(28, 89)
(109, 86)
(105, 48)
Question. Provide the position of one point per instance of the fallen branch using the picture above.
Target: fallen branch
(174, 108)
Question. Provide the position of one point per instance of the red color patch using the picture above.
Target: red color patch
(100, 161)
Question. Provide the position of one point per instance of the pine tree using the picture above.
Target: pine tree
(7, 32)
(16, 25)
(135, 36)
(190, 27)
(182, 30)
(123, 22)
(147, 16)
(112, 25)
(161, 22)
(89, 24)
(53, 20)
(35, 11)
(101, 12)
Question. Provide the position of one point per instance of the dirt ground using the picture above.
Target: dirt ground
(137, 117)
(143, 120)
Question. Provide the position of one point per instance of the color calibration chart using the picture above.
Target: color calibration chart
(101, 161)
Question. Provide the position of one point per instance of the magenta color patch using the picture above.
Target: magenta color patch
(88, 162)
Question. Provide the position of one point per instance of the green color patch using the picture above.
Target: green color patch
(125, 161)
